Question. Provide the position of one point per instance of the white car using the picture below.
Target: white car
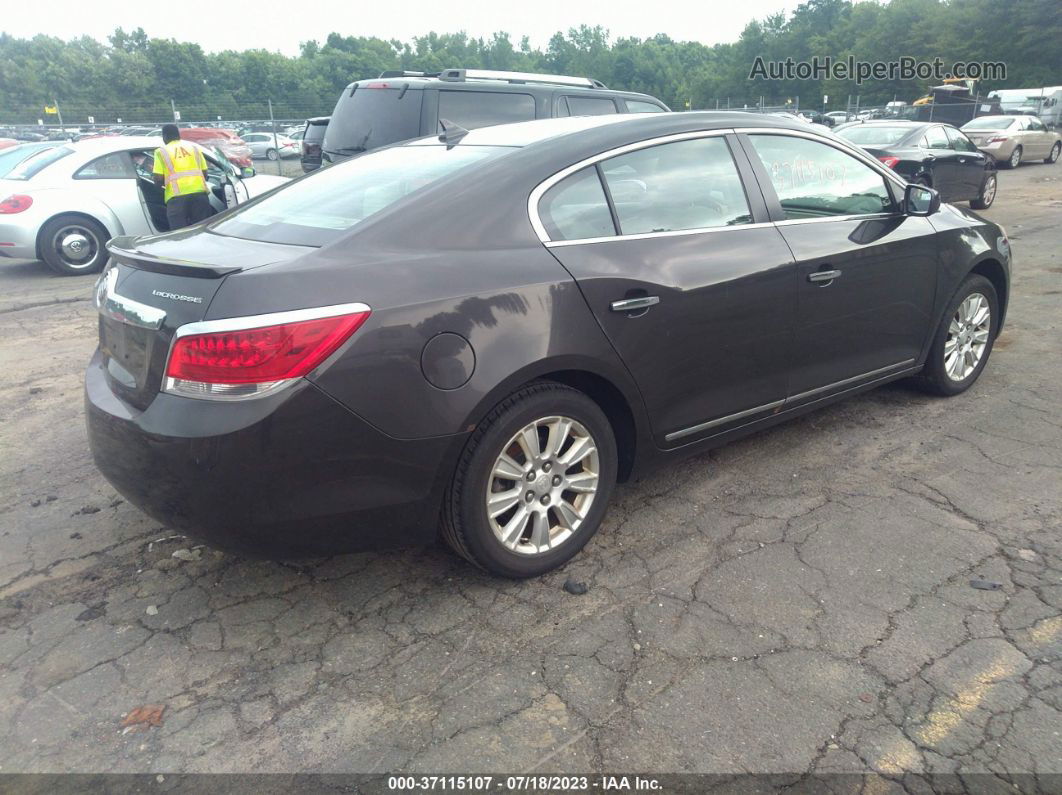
(63, 204)
(263, 145)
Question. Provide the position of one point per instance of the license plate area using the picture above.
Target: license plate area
(129, 351)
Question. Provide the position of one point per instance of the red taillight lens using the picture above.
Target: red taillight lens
(257, 355)
(15, 204)
(889, 160)
(997, 139)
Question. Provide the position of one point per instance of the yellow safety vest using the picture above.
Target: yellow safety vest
(181, 164)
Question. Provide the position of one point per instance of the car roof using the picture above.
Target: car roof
(492, 85)
(525, 133)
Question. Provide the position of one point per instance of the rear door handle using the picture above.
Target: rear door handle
(634, 304)
(823, 276)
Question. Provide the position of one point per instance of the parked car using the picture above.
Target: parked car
(63, 204)
(311, 143)
(936, 155)
(839, 116)
(347, 383)
(6, 143)
(12, 156)
(271, 146)
(1011, 139)
(232, 146)
(817, 117)
(401, 105)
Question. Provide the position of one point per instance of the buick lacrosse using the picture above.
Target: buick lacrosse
(478, 334)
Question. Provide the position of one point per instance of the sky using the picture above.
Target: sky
(235, 25)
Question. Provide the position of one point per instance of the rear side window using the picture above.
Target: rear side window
(682, 185)
(315, 212)
(472, 109)
(590, 106)
(637, 106)
(815, 180)
(575, 208)
(36, 163)
(936, 138)
(373, 117)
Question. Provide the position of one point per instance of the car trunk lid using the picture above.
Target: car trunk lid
(157, 285)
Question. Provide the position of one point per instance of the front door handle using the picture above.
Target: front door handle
(634, 304)
(818, 277)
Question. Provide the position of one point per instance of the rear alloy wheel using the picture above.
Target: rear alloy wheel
(533, 483)
(964, 339)
(1015, 158)
(988, 193)
(1056, 150)
(271, 154)
(72, 245)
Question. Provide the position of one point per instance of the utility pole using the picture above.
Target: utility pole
(276, 146)
(59, 113)
(173, 109)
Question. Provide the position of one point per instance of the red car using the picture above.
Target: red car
(230, 144)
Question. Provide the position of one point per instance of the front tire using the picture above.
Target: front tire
(1015, 158)
(72, 245)
(533, 482)
(964, 339)
(1056, 150)
(988, 193)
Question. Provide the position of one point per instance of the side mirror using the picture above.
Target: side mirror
(920, 200)
(247, 172)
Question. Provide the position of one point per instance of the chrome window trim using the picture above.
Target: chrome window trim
(837, 143)
(125, 310)
(869, 377)
(549, 182)
(823, 218)
(175, 386)
(649, 235)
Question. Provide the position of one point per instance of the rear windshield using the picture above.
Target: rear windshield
(9, 158)
(989, 123)
(318, 209)
(874, 135)
(371, 118)
(35, 163)
(314, 132)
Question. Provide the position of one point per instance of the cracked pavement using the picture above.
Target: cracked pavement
(797, 602)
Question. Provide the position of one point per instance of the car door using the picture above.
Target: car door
(111, 179)
(970, 163)
(684, 273)
(943, 163)
(866, 273)
(1040, 140)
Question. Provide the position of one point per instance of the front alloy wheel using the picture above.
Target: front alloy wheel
(1056, 150)
(533, 482)
(964, 338)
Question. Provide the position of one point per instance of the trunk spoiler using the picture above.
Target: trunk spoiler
(123, 250)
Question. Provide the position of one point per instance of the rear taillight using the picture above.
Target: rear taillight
(997, 139)
(240, 358)
(889, 160)
(15, 204)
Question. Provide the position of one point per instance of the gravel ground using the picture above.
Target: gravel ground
(797, 602)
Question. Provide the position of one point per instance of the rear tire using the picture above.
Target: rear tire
(964, 338)
(1015, 158)
(542, 523)
(271, 154)
(73, 245)
(1056, 150)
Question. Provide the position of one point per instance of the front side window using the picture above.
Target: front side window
(676, 186)
(637, 106)
(576, 208)
(472, 109)
(590, 106)
(322, 208)
(959, 142)
(116, 165)
(815, 180)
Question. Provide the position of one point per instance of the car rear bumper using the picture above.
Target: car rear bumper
(18, 241)
(293, 474)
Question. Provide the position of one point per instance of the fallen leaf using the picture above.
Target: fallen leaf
(146, 715)
(187, 554)
(152, 610)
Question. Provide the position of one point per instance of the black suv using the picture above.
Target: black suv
(312, 137)
(397, 106)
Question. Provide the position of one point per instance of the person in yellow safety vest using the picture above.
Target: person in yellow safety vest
(181, 169)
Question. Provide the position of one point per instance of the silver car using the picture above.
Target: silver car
(1013, 139)
(64, 203)
(263, 145)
